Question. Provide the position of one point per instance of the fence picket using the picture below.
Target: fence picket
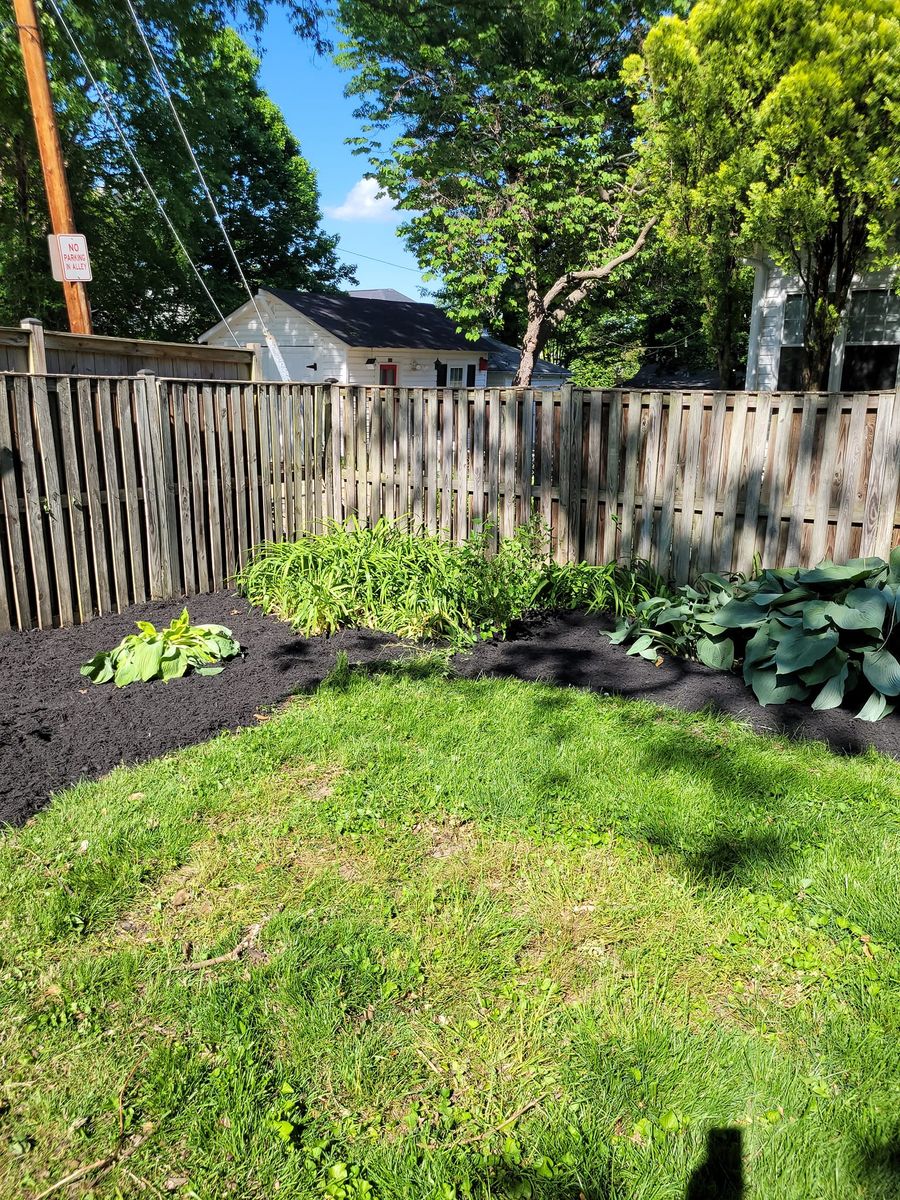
(211, 475)
(94, 503)
(130, 486)
(202, 534)
(11, 511)
(47, 450)
(241, 529)
(850, 480)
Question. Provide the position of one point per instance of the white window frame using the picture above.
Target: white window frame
(456, 375)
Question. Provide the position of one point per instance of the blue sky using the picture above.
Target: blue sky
(309, 90)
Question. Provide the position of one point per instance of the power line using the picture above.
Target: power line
(270, 340)
(147, 184)
(347, 253)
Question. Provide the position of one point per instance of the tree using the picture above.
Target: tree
(265, 189)
(513, 148)
(773, 127)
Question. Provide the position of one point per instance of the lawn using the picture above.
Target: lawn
(498, 939)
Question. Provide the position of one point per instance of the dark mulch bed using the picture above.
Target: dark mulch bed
(568, 649)
(56, 728)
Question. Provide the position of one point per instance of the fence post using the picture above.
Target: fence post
(37, 351)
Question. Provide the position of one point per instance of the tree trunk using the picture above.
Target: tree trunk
(532, 344)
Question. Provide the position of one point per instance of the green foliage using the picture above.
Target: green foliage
(163, 653)
(417, 585)
(682, 623)
(513, 134)
(775, 126)
(263, 186)
(822, 633)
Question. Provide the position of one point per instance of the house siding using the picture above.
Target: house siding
(772, 287)
(302, 342)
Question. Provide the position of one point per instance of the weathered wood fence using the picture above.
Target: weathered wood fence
(116, 491)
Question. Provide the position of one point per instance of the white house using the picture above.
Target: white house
(866, 348)
(369, 337)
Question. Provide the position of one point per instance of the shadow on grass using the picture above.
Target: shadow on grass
(721, 1174)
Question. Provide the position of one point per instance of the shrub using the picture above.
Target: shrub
(820, 633)
(163, 653)
(417, 585)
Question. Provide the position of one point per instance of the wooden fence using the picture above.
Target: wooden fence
(32, 348)
(116, 491)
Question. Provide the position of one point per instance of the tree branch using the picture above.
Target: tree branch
(565, 281)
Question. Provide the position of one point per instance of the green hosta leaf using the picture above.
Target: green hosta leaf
(894, 567)
(829, 574)
(768, 690)
(759, 649)
(620, 633)
(209, 670)
(863, 608)
(875, 708)
(883, 671)
(815, 614)
(147, 628)
(718, 655)
(146, 658)
(833, 692)
(826, 668)
(173, 664)
(644, 647)
(101, 668)
(740, 614)
(801, 648)
(126, 672)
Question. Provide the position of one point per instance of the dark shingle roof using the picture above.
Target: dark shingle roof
(383, 323)
(380, 294)
(502, 357)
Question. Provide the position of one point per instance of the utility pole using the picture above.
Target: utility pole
(59, 202)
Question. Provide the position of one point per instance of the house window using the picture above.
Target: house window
(872, 346)
(792, 358)
(794, 319)
(455, 376)
(387, 374)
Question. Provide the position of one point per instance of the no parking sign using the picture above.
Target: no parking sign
(69, 257)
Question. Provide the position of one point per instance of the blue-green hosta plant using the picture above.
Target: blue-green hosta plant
(163, 653)
(683, 623)
(818, 634)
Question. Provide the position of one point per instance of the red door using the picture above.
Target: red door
(387, 374)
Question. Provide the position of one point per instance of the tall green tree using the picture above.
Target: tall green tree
(265, 189)
(503, 128)
(774, 128)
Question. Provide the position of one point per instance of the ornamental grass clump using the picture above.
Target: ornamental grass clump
(823, 634)
(417, 585)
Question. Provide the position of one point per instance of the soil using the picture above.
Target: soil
(57, 728)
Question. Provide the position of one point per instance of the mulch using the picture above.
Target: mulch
(56, 728)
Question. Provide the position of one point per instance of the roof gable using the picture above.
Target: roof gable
(361, 321)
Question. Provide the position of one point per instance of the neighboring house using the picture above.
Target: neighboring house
(376, 337)
(503, 362)
(866, 348)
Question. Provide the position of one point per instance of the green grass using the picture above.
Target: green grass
(516, 941)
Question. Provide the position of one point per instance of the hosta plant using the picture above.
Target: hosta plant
(821, 634)
(163, 653)
(682, 623)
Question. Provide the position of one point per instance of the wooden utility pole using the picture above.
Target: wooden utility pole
(59, 202)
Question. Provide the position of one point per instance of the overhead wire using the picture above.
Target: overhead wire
(123, 137)
(274, 349)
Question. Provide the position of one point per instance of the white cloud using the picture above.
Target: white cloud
(363, 203)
